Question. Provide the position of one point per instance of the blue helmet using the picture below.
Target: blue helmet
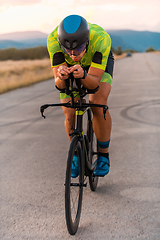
(73, 31)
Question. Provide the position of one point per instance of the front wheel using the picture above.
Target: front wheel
(73, 188)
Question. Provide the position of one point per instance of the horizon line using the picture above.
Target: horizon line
(109, 29)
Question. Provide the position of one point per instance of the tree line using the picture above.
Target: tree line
(28, 53)
(42, 52)
(33, 53)
(119, 51)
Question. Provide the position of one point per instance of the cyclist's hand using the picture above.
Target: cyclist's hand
(77, 70)
(63, 72)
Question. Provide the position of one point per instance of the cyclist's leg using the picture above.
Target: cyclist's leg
(68, 113)
(70, 121)
(102, 127)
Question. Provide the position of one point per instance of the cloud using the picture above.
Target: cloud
(122, 2)
(8, 3)
(45, 15)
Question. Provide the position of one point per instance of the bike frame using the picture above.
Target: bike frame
(81, 107)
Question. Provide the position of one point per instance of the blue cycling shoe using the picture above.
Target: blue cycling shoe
(102, 168)
(75, 167)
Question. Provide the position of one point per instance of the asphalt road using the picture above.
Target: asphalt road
(33, 154)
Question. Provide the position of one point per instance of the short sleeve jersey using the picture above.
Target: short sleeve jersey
(96, 55)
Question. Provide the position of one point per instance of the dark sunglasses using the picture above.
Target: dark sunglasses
(76, 51)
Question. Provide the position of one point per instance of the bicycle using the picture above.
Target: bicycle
(84, 146)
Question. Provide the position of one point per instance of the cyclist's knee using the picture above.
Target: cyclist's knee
(68, 113)
(97, 111)
(101, 96)
(68, 118)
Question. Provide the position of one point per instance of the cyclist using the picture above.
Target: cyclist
(84, 49)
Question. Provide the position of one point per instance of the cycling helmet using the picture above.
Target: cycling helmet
(73, 31)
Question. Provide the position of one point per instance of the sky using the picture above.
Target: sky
(45, 15)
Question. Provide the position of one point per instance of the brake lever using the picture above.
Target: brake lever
(42, 111)
(105, 108)
(42, 108)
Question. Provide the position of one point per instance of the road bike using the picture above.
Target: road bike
(84, 145)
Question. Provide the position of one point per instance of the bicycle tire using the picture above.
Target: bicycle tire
(92, 153)
(73, 209)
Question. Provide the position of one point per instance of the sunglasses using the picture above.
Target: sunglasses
(76, 51)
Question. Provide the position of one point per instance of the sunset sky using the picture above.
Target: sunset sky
(45, 15)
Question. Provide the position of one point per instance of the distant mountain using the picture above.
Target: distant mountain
(21, 40)
(117, 41)
(30, 43)
(9, 44)
(127, 39)
(135, 40)
(18, 36)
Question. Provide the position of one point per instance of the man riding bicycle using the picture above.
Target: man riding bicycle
(84, 49)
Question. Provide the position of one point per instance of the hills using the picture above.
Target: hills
(27, 39)
(23, 35)
(127, 39)
(136, 40)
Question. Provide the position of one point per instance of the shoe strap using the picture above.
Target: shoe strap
(104, 160)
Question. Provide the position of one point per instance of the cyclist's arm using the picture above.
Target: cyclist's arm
(59, 78)
(98, 64)
(92, 79)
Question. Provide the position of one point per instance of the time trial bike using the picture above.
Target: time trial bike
(84, 145)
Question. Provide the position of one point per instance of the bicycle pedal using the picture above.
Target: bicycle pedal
(98, 176)
(76, 184)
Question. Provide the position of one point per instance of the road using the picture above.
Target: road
(33, 155)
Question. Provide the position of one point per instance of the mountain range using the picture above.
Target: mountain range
(127, 39)
(27, 39)
(136, 40)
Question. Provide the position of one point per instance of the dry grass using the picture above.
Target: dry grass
(157, 52)
(116, 57)
(16, 74)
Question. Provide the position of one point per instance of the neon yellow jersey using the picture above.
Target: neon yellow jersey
(96, 55)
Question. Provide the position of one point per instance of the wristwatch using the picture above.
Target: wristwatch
(85, 74)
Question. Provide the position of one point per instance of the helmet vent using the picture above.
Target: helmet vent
(67, 44)
(74, 44)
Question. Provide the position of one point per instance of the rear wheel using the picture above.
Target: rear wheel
(73, 188)
(92, 153)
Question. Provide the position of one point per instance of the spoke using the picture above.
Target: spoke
(74, 200)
